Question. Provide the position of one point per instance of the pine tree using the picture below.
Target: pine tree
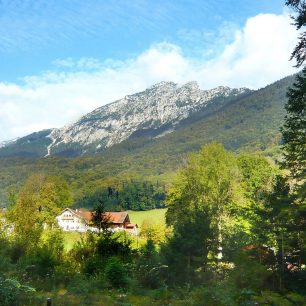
(100, 220)
(299, 53)
(294, 131)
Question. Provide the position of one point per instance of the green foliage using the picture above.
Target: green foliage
(294, 134)
(299, 52)
(38, 203)
(249, 273)
(100, 220)
(154, 231)
(116, 273)
(276, 299)
(108, 246)
(258, 175)
(84, 248)
(14, 293)
(93, 265)
(5, 260)
(186, 251)
(142, 196)
(127, 195)
(258, 179)
(220, 295)
(294, 149)
(218, 206)
(43, 260)
(207, 194)
(53, 242)
(149, 268)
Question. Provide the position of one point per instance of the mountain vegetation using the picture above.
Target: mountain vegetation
(231, 240)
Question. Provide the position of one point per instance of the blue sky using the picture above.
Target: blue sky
(35, 33)
(60, 59)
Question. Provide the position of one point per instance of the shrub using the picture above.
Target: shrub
(14, 293)
(116, 273)
(93, 265)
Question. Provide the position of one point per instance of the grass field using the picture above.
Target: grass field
(154, 215)
(70, 238)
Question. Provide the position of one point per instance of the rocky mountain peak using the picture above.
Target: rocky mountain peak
(163, 85)
(153, 112)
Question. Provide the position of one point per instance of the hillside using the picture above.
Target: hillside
(248, 122)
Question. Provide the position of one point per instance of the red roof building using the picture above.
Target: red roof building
(80, 220)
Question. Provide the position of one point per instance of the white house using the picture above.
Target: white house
(71, 220)
(79, 220)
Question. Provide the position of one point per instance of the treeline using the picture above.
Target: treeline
(127, 195)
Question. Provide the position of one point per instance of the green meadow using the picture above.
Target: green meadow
(154, 215)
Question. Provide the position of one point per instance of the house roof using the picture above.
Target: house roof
(83, 213)
(117, 217)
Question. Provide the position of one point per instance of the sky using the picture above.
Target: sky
(60, 59)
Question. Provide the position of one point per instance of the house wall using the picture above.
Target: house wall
(132, 230)
(70, 222)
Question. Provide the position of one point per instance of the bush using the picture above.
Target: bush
(116, 273)
(39, 263)
(113, 246)
(13, 293)
(93, 265)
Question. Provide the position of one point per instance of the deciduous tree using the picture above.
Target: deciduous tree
(203, 203)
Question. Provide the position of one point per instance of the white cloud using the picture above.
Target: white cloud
(258, 55)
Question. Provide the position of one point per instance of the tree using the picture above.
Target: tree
(203, 203)
(14, 293)
(116, 273)
(25, 213)
(294, 133)
(154, 231)
(294, 128)
(258, 177)
(38, 203)
(186, 251)
(100, 220)
(54, 197)
(299, 53)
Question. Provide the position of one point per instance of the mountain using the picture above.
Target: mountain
(31, 145)
(155, 112)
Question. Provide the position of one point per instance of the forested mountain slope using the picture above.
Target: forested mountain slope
(249, 122)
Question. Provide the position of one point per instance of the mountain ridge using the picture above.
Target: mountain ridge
(160, 108)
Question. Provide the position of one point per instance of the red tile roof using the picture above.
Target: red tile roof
(118, 217)
(83, 213)
(114, 217)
